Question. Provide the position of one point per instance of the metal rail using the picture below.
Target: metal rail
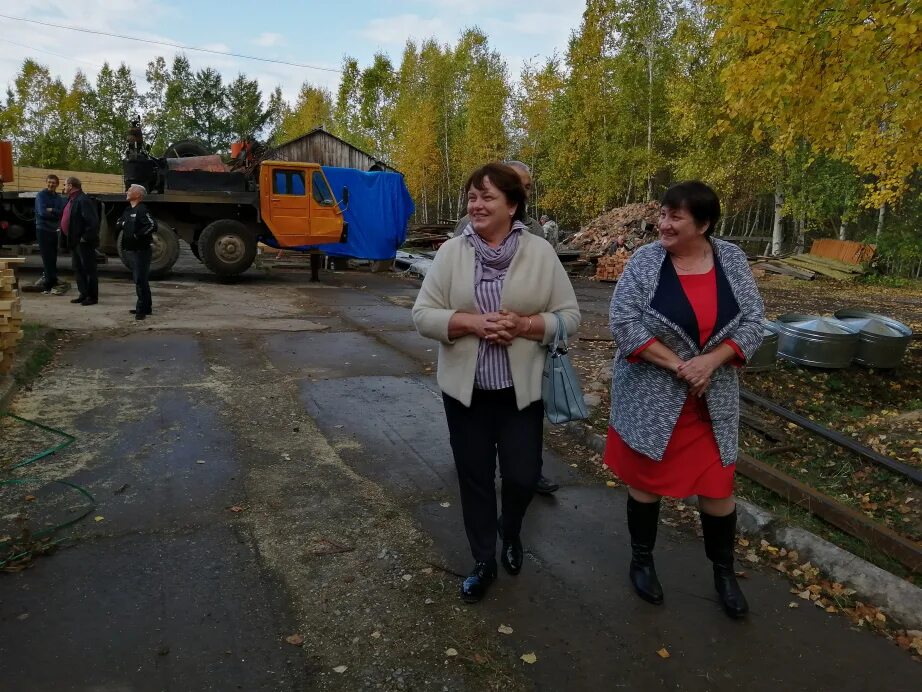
(913, 474)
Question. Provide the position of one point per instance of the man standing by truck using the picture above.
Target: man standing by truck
(48, 207)
(137, 228)
(80, 225)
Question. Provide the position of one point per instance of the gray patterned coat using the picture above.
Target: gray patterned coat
(648, 302)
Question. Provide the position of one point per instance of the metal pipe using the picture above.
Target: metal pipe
(913, 474)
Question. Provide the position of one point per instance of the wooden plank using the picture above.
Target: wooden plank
(830, 510)
(786, 270)
(797, 262)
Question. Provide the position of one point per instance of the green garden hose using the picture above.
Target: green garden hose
(66, 442)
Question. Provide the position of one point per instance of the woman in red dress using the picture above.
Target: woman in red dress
(684, 314)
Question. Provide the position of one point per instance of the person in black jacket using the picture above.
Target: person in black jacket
(80, 225)
(137, 227)
(48, 207)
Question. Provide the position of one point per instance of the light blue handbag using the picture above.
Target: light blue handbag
(560, 390)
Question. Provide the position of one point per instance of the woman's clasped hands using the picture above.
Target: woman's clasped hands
(501, 327)
(696, 372)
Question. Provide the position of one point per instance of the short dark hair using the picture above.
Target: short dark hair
(504, 179)
(698, 198)
(52, 175)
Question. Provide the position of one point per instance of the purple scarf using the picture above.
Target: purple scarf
(491, 263)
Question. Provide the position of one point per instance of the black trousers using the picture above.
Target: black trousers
(493, 427)
(140, 273)
(83, 260)
(48, 249)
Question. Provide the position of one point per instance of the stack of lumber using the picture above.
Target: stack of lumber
(10, 313)
(610, 267)
(29, 179)
(832, 268)
(808, 266)
(629, 227)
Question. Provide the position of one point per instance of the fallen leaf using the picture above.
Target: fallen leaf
(30, 498)
(98, 518)
(340, 669)
(295, 639)
(805, 594)
(200, 461)
(793, 604)
(407, 577)
(478, 658)
(504, 629)
(663, 653)
(451, 652)
(235, 508)
(444, 504)
(530, 659)
(376, 635)
(611, 484)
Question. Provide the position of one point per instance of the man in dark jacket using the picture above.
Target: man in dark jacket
(80, 225)
(48, 207)
(137, 227)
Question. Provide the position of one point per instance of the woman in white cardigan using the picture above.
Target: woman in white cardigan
(491, 299)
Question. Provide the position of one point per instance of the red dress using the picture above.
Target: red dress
(691, 463)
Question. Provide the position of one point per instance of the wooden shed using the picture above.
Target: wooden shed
(325, 148)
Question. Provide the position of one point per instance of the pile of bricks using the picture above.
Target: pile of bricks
(10, 313)
(610, 267)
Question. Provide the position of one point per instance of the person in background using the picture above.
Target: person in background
(551, 230)
(48, 207)
(137, 227)
(685, 312)
(545, 485)
(492, 299)
(80, 225)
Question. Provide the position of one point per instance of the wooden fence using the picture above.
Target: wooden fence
(847, 251)
(29, 179)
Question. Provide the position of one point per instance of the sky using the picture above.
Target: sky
(310, 33)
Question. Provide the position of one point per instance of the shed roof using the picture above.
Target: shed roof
(322, 130)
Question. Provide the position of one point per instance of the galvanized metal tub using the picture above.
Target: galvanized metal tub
(764, 358)
(821, 342)
(882, 340)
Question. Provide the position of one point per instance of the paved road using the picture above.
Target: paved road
(313, 409)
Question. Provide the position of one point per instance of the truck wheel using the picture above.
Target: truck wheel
(164, 251)
(227, 247)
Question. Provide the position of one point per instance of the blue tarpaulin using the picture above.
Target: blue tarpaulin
(379, 208)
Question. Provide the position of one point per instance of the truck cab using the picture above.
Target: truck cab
(298, 206)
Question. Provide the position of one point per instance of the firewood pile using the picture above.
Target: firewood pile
(617, 228)
(10, 313)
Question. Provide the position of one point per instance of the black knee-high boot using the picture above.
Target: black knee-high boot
(719, 537)
(642, 521)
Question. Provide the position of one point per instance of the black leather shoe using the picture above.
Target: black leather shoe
(646, 583)
(133, 311)
(90, 301)
(546, 486)
(78, 299)
(513, 555)
(729, 591)
(140, 315)
(475, 586)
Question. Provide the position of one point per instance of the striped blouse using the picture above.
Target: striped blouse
(493, 371)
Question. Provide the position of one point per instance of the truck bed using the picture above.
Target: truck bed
(184, 197)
